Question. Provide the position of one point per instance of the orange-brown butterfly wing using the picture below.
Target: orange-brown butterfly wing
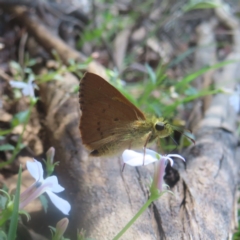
(104, 110)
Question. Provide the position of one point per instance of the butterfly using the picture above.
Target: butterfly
(110, 123)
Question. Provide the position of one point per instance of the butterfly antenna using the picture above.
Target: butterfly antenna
(123, 166)
(191, 139)
(174, 141)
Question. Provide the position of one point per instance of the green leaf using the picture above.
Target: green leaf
(181, 57)
(53, 230)
(3, 201)
(21, 146)
(29, 71)
(160, 74)
(186, 80)
(198, 4)
(6, 147)
(14, 219)
(191, 91)
(20, 118)
(23, 212)
(33, 101)
(16, 66)
(170, 109)
(5, 132)
(49, 77)
(3, 235)
(155, 109)
(31, 62)
(151, 74)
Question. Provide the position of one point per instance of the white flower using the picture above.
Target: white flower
(134, 158)
(49, 185)
(27, 88)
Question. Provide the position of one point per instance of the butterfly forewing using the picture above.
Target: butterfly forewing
(104, 111)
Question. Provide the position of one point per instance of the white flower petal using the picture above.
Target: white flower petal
(168, 158)
(177, 156)
(36, 170)
(18, 84)
(128, 154)
(28, 91)
(60, 203)
(48, 185)
(149, 159)
(30, 80)
(27, 88)
(134, 158)
(52, 184)
(31, 87)
(152, 153)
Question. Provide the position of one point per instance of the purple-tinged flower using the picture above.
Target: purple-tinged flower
(50, 165)
(160, 169)
(49, 185)
(134, 158)
(61, 228)
(50, 154)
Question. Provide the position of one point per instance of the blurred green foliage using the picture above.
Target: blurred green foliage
(161, 96)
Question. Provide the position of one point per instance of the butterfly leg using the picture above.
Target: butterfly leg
(159, 145)
(145, 145)
(129, 147)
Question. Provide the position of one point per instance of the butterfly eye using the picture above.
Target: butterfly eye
(160, 126)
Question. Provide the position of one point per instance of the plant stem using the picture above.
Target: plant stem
(6, 214)
(140, 212)
(14, 218)
(17, 148)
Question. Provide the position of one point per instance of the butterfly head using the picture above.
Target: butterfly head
(162, 128)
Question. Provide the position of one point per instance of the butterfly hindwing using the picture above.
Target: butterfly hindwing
(104, 111)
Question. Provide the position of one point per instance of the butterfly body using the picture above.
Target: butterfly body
(110, 124)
